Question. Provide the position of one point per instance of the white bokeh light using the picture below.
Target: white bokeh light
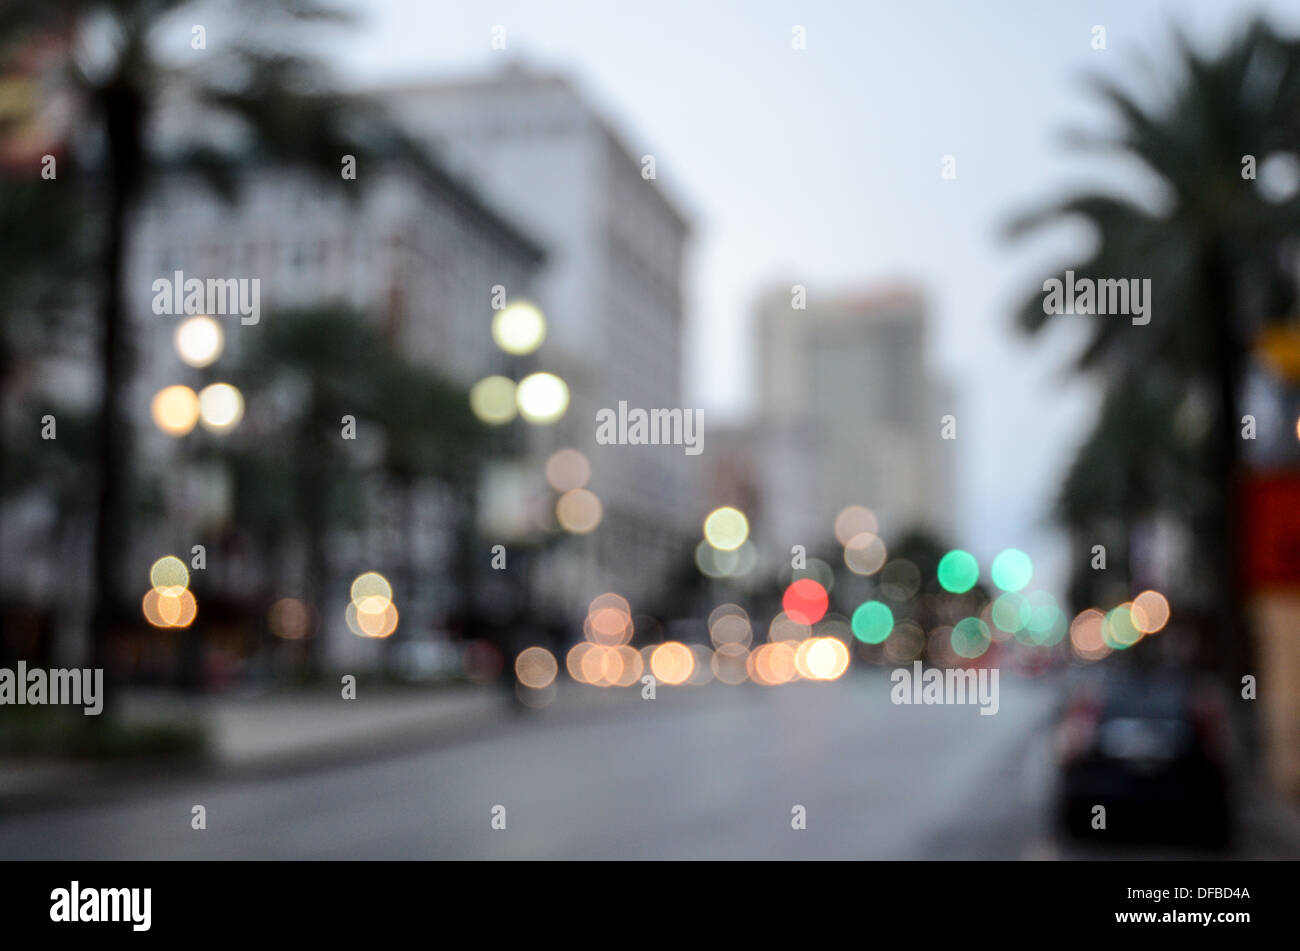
(199, 341)
(519, 329)
(221, 407)
(542, 397)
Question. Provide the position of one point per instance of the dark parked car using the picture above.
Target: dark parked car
(1154, 750)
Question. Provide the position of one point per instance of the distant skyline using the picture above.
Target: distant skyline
(821, 166)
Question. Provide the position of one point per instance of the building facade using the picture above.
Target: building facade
(849, 413)
(418, 255)
(611, 289)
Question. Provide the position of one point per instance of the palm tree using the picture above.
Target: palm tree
(281, 102)
(432, 435)
(1146, 457)
(300, 477)
(1214, 249)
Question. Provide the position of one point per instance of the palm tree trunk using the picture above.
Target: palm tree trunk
(313, 499)
(121, 107)
(406, 484)
(1230, 638)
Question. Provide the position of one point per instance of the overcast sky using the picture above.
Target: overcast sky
(822, 166)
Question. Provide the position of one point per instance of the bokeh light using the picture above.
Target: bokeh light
(958, 571)
(1011, 612)
(865, 553)
(805, 601)
(609, 620)
(371, 612)
(631, 666)
(713, 563)
(519, 328)
(872, 622)
(1012, 569)
(199, 341)
(169, 607)
(672, 663)
(1150, 612)
(372, 617)
(970, 638)
(729, 624)
(542, 398)
(1054, 634)
(1118, 630)
(854, 520)
(610, 601)
(536, 667)
(492, 400)
(1044, 613)
(702, 668)
(175, 410)
(371, 584)
(169, 572)
(575, 659)
(567, 469)
(602, 665)
(773, 664)
(578, 511)
(826, 658)
(1086, 636)
(221, 407)
(730, 664)
(726, 528)
(786, 628)
(746, 558)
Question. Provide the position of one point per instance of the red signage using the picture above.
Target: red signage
(1271, 546)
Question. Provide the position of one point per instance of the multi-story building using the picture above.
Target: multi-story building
(412, 249)
(531, 190)
(612, 292)
(849, 413)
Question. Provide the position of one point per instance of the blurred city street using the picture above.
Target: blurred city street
(564, 435)
(695, 774)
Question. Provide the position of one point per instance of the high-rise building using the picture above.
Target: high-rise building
(611, 288)
(849, 413)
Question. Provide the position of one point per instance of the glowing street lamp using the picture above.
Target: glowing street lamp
(492, 400)
(519, 329)
(199, 341)
(175, 410)
(221, 407)
(542, 398)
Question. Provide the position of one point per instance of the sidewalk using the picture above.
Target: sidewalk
(264, 733)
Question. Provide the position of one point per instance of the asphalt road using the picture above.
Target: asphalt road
(712, 772)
